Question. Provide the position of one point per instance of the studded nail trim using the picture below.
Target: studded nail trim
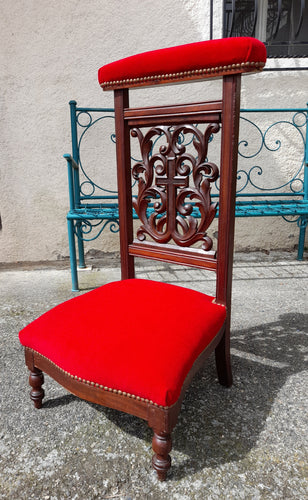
(258, 66)
(105, 388)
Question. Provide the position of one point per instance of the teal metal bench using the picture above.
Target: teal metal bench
(94, 208)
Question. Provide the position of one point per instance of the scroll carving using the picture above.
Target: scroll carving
(173, 183)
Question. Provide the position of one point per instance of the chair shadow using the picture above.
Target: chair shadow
(218, 425)
(60, 401)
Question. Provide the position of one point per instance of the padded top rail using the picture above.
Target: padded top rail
(193, 61)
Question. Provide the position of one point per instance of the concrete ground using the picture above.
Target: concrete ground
(247, 442)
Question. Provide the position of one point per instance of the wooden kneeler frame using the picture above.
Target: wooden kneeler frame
(170, 182)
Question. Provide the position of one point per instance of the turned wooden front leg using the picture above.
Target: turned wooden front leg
(161, 460)
(36, 380)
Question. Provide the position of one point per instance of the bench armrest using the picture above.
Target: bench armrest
(73, 181)
(71, 161)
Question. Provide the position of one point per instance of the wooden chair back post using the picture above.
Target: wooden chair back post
(121, 102)
(228, 169)
(226, 221)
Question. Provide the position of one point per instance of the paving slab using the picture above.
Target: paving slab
(246, 442)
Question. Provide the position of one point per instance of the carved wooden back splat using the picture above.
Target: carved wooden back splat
(173, 180)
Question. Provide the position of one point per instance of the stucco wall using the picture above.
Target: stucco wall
(50, 53)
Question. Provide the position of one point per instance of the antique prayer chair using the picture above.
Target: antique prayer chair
(134, 345)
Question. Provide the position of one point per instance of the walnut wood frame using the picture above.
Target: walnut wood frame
(163, 419)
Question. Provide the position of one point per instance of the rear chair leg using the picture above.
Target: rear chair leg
(36, 380)
(223, 361)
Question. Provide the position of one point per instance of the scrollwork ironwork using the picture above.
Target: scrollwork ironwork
(85, 120)
(86, 227)
(269, 141)
(171, 182)
(271, 164)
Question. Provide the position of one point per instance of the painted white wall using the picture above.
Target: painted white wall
(50, 54)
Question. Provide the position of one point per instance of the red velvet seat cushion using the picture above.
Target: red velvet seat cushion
(197, 60)
(137, 336)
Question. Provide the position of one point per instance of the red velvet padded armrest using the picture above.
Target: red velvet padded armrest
(185, 62)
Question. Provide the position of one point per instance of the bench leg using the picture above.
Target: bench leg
(301, 240)
(72, 249)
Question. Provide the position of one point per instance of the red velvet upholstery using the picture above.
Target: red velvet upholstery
(109, 336)
(194, 60)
